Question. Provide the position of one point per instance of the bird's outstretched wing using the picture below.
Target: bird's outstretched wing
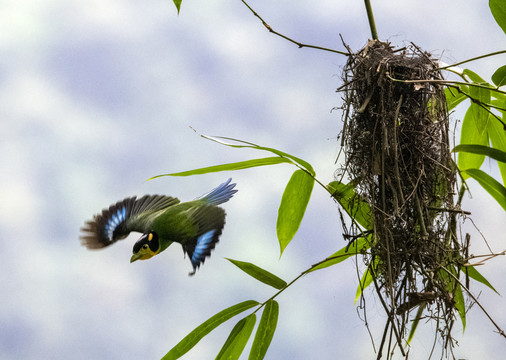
(116, 222)
(210, 221)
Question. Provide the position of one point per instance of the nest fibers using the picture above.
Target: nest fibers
(398, 157)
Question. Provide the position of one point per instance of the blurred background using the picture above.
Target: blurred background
(98, 96)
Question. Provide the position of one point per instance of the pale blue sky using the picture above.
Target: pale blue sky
(98, 96)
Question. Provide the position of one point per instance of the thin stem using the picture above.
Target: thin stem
(486, 258)
(472, 59)
(499, 330)
(448, 83)
(370, 17)
(283, 289)
(299, 44)
(307, 271)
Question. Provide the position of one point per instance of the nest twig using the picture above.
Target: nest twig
(396, 139)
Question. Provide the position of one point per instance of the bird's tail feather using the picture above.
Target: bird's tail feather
(221, 194)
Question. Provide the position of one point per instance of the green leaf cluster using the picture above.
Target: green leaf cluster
(291, 211)
(241, 333)
(483, 132)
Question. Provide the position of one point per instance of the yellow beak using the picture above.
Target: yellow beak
(135, 257)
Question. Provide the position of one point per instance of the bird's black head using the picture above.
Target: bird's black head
(146, 247)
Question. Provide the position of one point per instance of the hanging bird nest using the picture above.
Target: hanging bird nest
(397, 155)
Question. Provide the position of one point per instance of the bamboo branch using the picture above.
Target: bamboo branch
(299, 44)
(370, 17)
(472, 59)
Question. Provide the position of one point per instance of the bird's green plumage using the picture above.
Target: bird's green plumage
(184, 221)
(196, 224)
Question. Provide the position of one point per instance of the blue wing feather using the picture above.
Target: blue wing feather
(209, 220)
(221, 194)
(202, 247)
(116, 222)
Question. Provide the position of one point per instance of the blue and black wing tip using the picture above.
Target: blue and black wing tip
(221, 194)
(204, 245)
(107, 227)
(211, 221)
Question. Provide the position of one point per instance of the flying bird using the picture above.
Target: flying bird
(162, 220)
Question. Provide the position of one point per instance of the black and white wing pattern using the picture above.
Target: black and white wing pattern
(117, 221)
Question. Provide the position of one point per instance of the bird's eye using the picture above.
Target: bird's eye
(145, 246)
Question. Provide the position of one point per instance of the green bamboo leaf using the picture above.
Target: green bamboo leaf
(474, 274)
(470, 135)
(483, 96)
(260, 274)
(293, 206)
(460, 305)
(499, 76)
(265, 331)
(498, 139)
(190, 340)
(474, 77)
(352, 203)
(356, 247)
(246, 144)
(416, 320)
(493, 187)
(178, 5)
(367, 278)
(498, 9)
(498, 96)
(493, 153)
(453, 287)
(455, 97)
(230, 167)
(236, 341)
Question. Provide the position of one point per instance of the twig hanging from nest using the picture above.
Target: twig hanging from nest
(398, 154)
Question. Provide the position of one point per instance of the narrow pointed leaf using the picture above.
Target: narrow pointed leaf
(474, 77)
(483, 96)
(352, 203)
(366, 279)
(498, 139)
(499, 76)
(493, 187)
(470, 135)
(498, 9)
(293, 206)
(416, 320)
(190, 340)
(495, 154)
(246, 144)
(355, 248)
(260, 274)
(231, 166)
(178, 5)
(455, 97)
(474, 274)
(236, 341)
(460, 305)
(265, 331)
(453, 287)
